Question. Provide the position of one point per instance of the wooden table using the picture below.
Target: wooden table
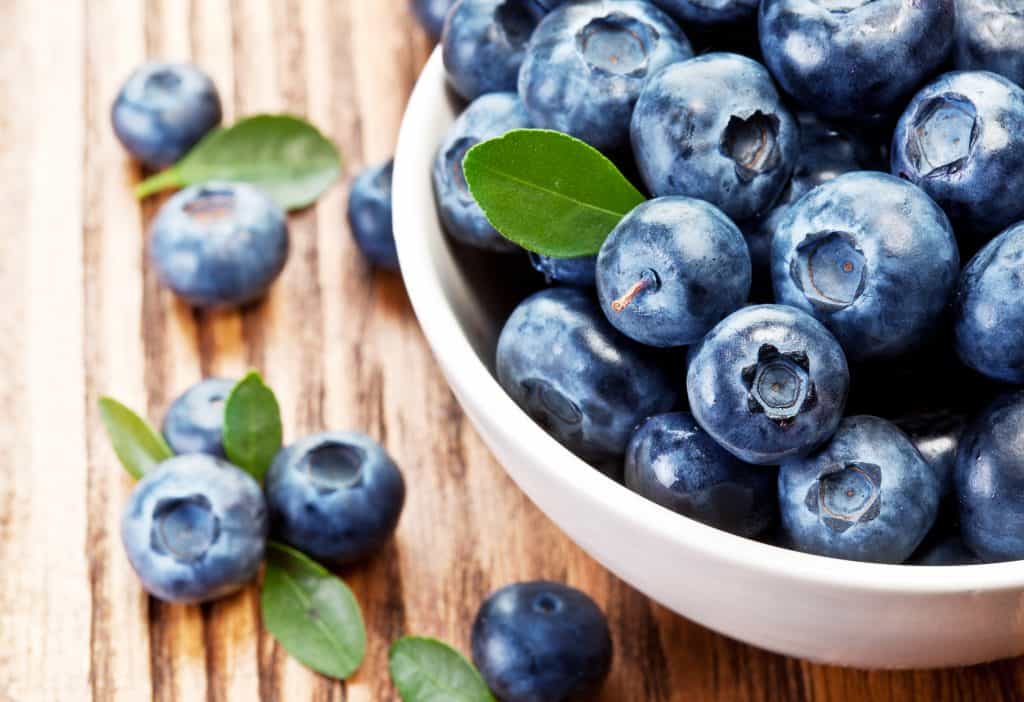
(82, 315)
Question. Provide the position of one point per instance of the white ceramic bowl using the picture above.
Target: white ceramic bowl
(854, 614)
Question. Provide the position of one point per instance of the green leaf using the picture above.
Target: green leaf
(312, 613)
(139, 447)
(549, 192)
(252, 425)
(284, 155)
(426, 670)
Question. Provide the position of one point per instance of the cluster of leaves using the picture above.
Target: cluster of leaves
(283, 155)
(310, 611)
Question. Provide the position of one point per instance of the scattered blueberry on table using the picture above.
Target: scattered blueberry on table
(219, 244)
(195, 529)
(542, 642)
(163, 110)
(194, 423)
(336, 496)
(369, 215)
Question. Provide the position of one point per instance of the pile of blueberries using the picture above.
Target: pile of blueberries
(195, 528)
(820, 170)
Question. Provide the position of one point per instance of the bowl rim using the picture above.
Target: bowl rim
(473, 384)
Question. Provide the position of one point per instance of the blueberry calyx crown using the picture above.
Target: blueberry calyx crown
(846, 494)
(617, 44)
(184, 528)
(945, 130)
(549, 407)
(779, 385)
(830, 270)
(752, 144)
(210, 205)
(334, 466)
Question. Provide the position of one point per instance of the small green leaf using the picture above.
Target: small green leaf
(312, 613)
(549, 192)
(285, 156)
(139, 447)
(252, 425)
(426, 670)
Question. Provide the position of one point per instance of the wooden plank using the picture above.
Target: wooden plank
(84, 315)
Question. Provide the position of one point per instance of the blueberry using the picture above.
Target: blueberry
(587, 385)
(710, 12)
(580, 271)
(486, 117)
(431, 14)
(336, 496)
(195, 529)
(990, 481)
(768, 383)
(163, 110)
(219, 244)
(872, 257)
(944, 550)
(855, 59)
(962, 140)
(542, 642)
(988, 315)
(825, 153)
(195, 420)
(369, 215)
(483, 44)
(867, 495)
(671, 270)
(990, 37)
(714, 128)
(672, 461)
(936, 436)
(587, 62)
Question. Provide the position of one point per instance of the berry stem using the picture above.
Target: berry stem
(646, 279)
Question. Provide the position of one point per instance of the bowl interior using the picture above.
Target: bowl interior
(462, 297)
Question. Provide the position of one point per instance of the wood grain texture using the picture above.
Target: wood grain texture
(82, 315)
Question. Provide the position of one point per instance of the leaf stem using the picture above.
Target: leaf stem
(157, 182)
(647, 279)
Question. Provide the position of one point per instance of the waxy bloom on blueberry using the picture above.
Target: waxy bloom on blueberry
(195, 529)
(587, 62)
(872, 257)
(195, 421)
(219, 244)
(867, 495)
(163, 110)
(671, 270)
(768, 383)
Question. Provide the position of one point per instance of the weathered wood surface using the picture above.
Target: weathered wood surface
(81, 315)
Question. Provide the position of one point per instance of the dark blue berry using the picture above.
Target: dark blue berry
(542, 642)
(195, 421)
(369, 215)
(335, 496)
